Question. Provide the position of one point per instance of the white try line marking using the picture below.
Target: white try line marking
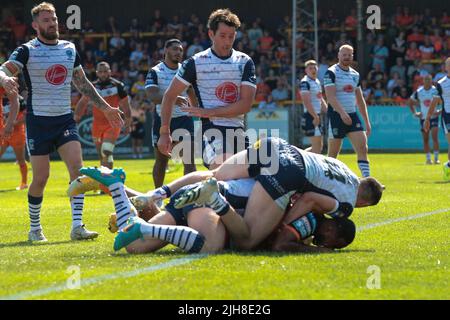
(174, 263)
(417, 216)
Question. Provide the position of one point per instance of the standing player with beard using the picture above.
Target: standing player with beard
(225, 84)
(104, 135)
(49, 65)
(156, 84)
(343, 91)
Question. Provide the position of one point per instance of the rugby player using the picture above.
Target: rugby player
(311, 92)
(156, 84)
(17, 139)
(225, 84)
(343, 91)
(49, 65)
(103, 134)
(443, 88)
(281, 170)
(423, 97)
(198, 228)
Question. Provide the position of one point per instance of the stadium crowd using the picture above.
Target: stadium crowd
(409, 46)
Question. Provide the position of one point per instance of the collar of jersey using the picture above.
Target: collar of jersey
(223, 58)
(342, 69)
(168, 66)
(47, 44)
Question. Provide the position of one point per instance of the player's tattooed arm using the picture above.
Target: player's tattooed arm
(87, 89)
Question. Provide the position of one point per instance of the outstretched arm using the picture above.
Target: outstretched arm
(87, 89)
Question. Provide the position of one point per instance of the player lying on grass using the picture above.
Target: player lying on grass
(199, 229)
(280, 170)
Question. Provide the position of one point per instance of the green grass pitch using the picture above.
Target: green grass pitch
(409, 257)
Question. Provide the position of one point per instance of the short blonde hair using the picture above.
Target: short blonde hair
(43, 6)
(346, 46)
(310, 63)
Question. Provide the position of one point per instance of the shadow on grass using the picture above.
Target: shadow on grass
(180, 254)
(8, 190)
(29, 244)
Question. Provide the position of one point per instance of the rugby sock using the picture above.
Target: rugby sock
(34, 209)
(436, 155)
(77, 203)
(123, 206)
(429, 157)
(24, 172)
(219, 204)
(364, 168)
(185, 238)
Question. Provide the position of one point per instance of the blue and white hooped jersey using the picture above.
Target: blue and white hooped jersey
(424, 97)
(217, 81)
(48, 71)
(331, 175)
(315, 89)
(346, 83)
(443, 88)
(161, 76)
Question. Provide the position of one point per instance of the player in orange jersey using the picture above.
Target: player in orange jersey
(103, 134)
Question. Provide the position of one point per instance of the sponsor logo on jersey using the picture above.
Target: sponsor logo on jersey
(348, 88)
(427, 103)
(56, 74)
(227, 92)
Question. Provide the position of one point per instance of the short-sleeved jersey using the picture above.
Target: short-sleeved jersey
(48, 71)
(112, 91)
(346, 82)
(424, 97)
(443, 88)
(331, 175)
(315, 89)
(161, 76)
(217, 81)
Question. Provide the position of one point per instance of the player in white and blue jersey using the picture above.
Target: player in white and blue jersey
(443, 95)
(311, 91)
(423, 97)
(343, 91)
(281, 170)
(49, 65)
(225, 84)
(181, 124)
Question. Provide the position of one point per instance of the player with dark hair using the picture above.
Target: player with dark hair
(225, 84)
(103, 134)
(181, 124)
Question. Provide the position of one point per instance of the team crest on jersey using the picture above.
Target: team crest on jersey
(427, 103)
(227, 92)
(69, 54)
(56, 74)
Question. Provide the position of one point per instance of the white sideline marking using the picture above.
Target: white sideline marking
(106, 277)
(417, 216)
(176, 262)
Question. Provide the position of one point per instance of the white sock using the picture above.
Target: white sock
(436, 155)
(185, 238)
(428, 156)
(219, 204)
(77, 203)
(123, 206)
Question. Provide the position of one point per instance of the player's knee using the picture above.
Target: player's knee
(40, 180)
